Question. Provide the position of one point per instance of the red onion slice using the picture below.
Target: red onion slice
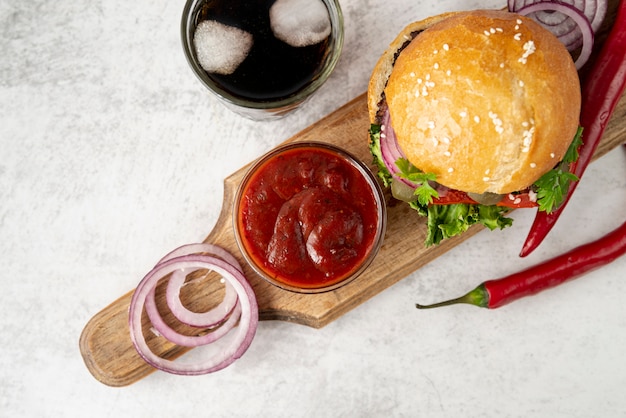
(190, 340)
(207, 319)
(242, 334)
(390, 149)
(573, 22)
(199, 319)
(203, 248)
(577, 16)
(594, 10)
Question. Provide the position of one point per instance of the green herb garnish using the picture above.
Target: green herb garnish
(374, 146)
(552, 187)
(425, 192)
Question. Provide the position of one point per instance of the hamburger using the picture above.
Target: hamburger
(473, 114)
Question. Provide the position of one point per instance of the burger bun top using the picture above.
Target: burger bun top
(487, 100)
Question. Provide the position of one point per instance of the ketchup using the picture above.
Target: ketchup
(308, 217)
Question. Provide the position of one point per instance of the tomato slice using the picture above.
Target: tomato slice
(521, 199)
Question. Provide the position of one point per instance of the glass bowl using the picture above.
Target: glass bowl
(309, 217)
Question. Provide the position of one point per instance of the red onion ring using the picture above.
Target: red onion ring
(190, 340)
(204, 319)
(390, 149)
(207, 319)
(594, 10)
(243, 333)
(577, 16)
(573, 22)
(203, 248)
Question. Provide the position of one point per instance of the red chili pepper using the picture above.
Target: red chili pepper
(602, 90)
(574, 263)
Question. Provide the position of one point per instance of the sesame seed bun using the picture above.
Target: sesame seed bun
(487, 100)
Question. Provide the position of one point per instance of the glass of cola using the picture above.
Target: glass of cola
(262, 58)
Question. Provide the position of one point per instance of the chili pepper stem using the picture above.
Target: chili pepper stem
(477, 297)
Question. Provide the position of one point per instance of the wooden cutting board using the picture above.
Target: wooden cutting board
(105, 341)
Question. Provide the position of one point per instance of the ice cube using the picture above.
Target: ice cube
(300, 22)
(221, 48)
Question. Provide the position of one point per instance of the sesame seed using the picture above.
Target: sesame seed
(496, 121)
(499, 30)
(511, 196)
(419, 81)
(492, 30)
(525, 124)
(516, 27)
(517, 201)
(431, 124)
(448, 72)
(487, 33)
(527, 138)
(446, 140)
(519, 21)
(446, 47)
(551, 155)
(485, 178)
(517, 36)
(436, 66)
(533, 165)
(532, 196)
(450, 170)
(463, 114)
(412, 74)
(435, 142)
(447, 153)
(427, 76)
(521, 83)
(382, 127)
(529, 49)
(382, 135)
(435, 51)
(501, 65)
(487, 171)
(476, 119)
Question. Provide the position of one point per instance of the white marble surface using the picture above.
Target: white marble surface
(113, 154)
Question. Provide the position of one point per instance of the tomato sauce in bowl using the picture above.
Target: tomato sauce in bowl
(309, 217)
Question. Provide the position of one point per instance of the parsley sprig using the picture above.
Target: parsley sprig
(552, 187)
(425, 192)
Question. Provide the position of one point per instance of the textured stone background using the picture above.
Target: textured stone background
(112, 154)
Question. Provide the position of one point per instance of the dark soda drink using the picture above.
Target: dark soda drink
(272, 69)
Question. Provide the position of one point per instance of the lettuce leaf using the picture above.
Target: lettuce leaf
(445, 221)
(374, 146)
(552, 187)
